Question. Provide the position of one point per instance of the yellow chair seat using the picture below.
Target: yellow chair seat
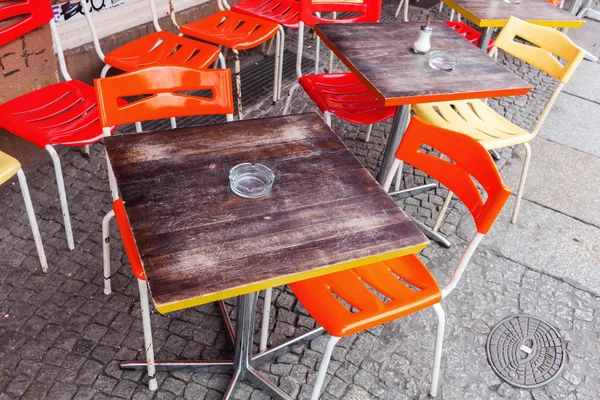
(8, 167)
(476, 119)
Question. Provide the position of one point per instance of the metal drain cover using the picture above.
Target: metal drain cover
(525, 351)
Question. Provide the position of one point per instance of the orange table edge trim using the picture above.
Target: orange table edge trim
(410, 100)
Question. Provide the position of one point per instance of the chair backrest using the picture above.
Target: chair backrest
(550, 43)
(160, 85)
(469, 161)
(128, 240)
(366, 10)
(23, 17)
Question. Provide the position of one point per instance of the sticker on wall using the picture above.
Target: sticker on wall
(72, 9)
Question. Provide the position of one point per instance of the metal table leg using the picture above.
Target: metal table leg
(243, 364)
(486, 36)
(398, 127)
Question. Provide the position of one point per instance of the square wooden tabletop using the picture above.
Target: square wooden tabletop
(495, 13)
(381, 55)
(199, 242)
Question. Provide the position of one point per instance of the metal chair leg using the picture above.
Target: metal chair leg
(281, 54)
(276, 72)
(106, 250)
(369, 130)
(288, 101)
(439, 342)
(442, 214)
(264, 331)
(32, 221)
(522, 182)
(63, 196)
(327, 118)
(149, 346)
(323, 367)
(398, 9)
(238, 83)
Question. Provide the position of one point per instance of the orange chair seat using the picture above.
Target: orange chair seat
(162, 48)
(233, 30)
(283, 12)
(344, 95)
(64, 114)
(320, 295)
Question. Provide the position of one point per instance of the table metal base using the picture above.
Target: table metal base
(399, 126)
(243, 364)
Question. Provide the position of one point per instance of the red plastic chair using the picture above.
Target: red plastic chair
(405, 282)
(237, 31)
(158, 48)
(162, 88)
(60, 114)
(341, 94)
(468, 33)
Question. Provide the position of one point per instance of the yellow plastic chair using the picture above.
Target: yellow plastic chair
(8, 168)
(476, 119)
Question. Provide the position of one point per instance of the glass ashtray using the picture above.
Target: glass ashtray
(251, 181)
(442, 60)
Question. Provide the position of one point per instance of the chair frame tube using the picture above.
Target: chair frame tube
(37, 238)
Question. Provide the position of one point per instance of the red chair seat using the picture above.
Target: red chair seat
(162, 48)
(468, 33)
(320, 296)
(233, 30)
(65, 113)
(283, 12)
(344, 95)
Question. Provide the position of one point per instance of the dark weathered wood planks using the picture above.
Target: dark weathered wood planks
(199, 242)
(495, 13)
(381, 56)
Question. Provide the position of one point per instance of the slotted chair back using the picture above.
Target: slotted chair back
(467, 162)
(161, 85)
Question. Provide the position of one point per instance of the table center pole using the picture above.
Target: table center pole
(398, 128)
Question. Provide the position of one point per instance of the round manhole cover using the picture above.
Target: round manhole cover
(526, 351)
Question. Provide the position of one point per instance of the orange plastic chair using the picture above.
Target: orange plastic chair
(158, 48)
(161, 89)
(405, 282)
(237, 32)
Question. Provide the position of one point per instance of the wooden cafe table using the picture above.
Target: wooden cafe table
(381, 55)
(491, 14)
(200, 243)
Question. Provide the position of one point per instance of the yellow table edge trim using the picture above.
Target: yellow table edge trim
(499, 23)
(255, 287)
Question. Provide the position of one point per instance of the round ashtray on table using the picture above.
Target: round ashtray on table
(441, 61)
(251, 181)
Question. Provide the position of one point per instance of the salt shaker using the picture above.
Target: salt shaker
(423, 42)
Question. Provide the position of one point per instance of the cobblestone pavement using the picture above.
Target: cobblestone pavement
(62, 338)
